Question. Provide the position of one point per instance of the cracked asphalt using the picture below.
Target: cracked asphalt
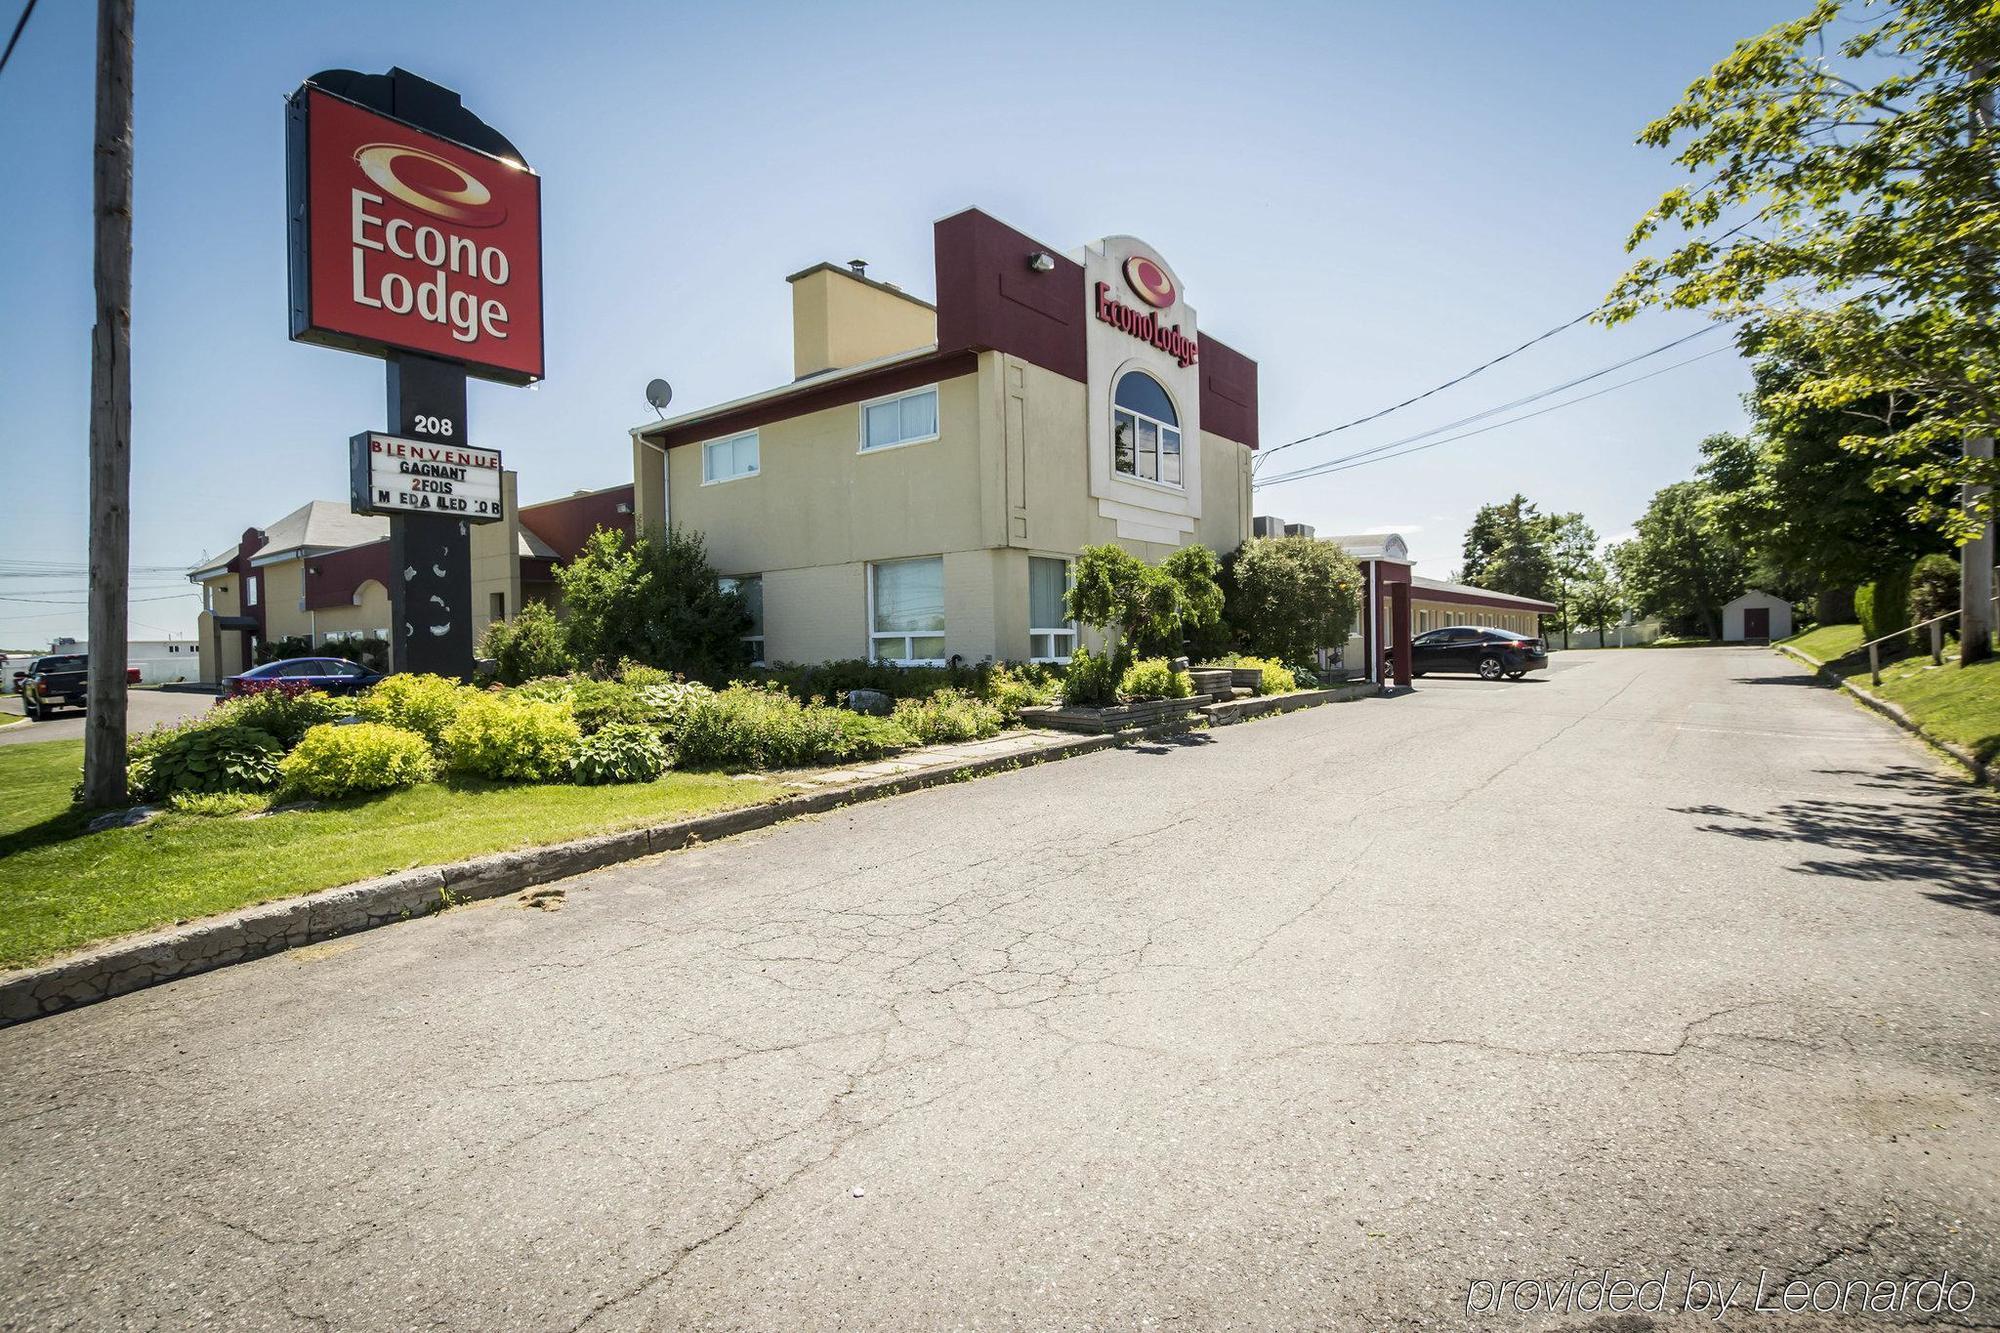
(1666, 961)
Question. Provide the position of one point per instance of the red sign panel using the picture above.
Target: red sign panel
(417, 244)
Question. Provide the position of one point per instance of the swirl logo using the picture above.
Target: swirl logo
(428, 182)
(1150, 282)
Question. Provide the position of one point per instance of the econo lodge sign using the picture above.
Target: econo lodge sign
(410, 242)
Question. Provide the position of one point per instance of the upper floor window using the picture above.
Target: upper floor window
(1145, 430)
(726, 460)
(250, 589)
(905, 418)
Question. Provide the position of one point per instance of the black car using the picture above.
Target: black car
(58, 681)
(1492, 653)
(332, 674)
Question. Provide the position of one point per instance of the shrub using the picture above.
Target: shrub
(1010, 689)
(1153, 678)
(654, 599)
(213, 758)
(548, 689)
(534, 643)
(416, 702)
(370, 650)
(507, 737)
(598, 704)
(1275, 679)
(668, 703)
(1289, 596)
(217, 804)
(285, 713)
(834, 680)
(1883, 605)
(277, 650)
(336, 761)
(1092, 681)
(749, 726)
(618, 752)
(1934, 588)
(948, 715)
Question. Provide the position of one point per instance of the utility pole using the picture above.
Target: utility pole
(110, 410)
(1975, 562)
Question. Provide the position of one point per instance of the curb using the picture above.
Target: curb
(1984, 774)
(1267, 705)
(136, 962)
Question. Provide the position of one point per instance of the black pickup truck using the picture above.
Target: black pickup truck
(54, 682)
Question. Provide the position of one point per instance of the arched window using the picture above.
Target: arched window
(1145, 430)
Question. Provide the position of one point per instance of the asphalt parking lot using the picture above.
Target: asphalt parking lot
(1671, 963)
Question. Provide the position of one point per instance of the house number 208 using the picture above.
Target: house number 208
(434, 426)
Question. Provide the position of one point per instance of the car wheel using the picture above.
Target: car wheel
(1489, 668)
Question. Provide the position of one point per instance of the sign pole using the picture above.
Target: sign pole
(430, 555)
(110, 413)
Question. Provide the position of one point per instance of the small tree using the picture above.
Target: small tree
(1934, 587)
(534, 643)
(1288, 597)
(654, 600)
(1600, 602)
(1123, 598)
(1197, 574)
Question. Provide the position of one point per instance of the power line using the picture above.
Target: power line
(1343, 465)
(1522, 401)
(41, 601)
(19, 24)
(1544, 336)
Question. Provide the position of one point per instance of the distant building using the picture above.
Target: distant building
(1756, 617)
(321, 573)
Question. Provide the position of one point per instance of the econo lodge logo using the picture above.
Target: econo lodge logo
(1150, 282)
(422, 244)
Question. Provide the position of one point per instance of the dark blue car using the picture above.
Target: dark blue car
(332, 674)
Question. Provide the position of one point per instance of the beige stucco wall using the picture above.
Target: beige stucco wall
(1427, 615)
(840, 321)
(495, 564)
(369, 614)
(1008, 477)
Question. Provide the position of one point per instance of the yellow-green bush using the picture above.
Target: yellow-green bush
(335, 761)
(507, 737)
(948, 715)
(415, 702)
(1153, 678)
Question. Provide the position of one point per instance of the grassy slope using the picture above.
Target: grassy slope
(1954, 703)
(1826, 642)
(61, 888)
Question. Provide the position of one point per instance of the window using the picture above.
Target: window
(250, 589)
(907, 418)
(906, 611)
(496, 606)
(726, 460)
(1423, 620)
(1145, 430)
(1051, 636)
(751, 589)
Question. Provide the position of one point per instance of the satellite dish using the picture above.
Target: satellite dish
(659, 393)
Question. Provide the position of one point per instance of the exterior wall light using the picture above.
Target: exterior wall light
(1041, 261)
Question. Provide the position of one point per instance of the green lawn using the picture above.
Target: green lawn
(62, 888)
(1826, 642)
(1954, 703)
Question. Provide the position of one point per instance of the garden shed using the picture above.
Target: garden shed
(1756, 617)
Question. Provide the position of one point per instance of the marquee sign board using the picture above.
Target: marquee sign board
(403, 240)
(390, 474)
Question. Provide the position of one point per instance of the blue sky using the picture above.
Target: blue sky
(1366, 197)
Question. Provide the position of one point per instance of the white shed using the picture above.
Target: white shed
(1756, 617)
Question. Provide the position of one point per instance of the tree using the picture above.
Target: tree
(1288, 597)
(534, 643)
(1680, 565)
(1600, 600)
(1807, 510)
(1846, 199)
(654, 600)
(1196, 573)
(1571, 545)
(1122, 597)
(1506, 549)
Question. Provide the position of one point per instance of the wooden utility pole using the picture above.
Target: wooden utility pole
(110, 411)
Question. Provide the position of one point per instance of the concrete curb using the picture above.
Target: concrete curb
(1958, 754)
(1265, 705)
(135, 962)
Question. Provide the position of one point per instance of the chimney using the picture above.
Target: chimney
(841, 317)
